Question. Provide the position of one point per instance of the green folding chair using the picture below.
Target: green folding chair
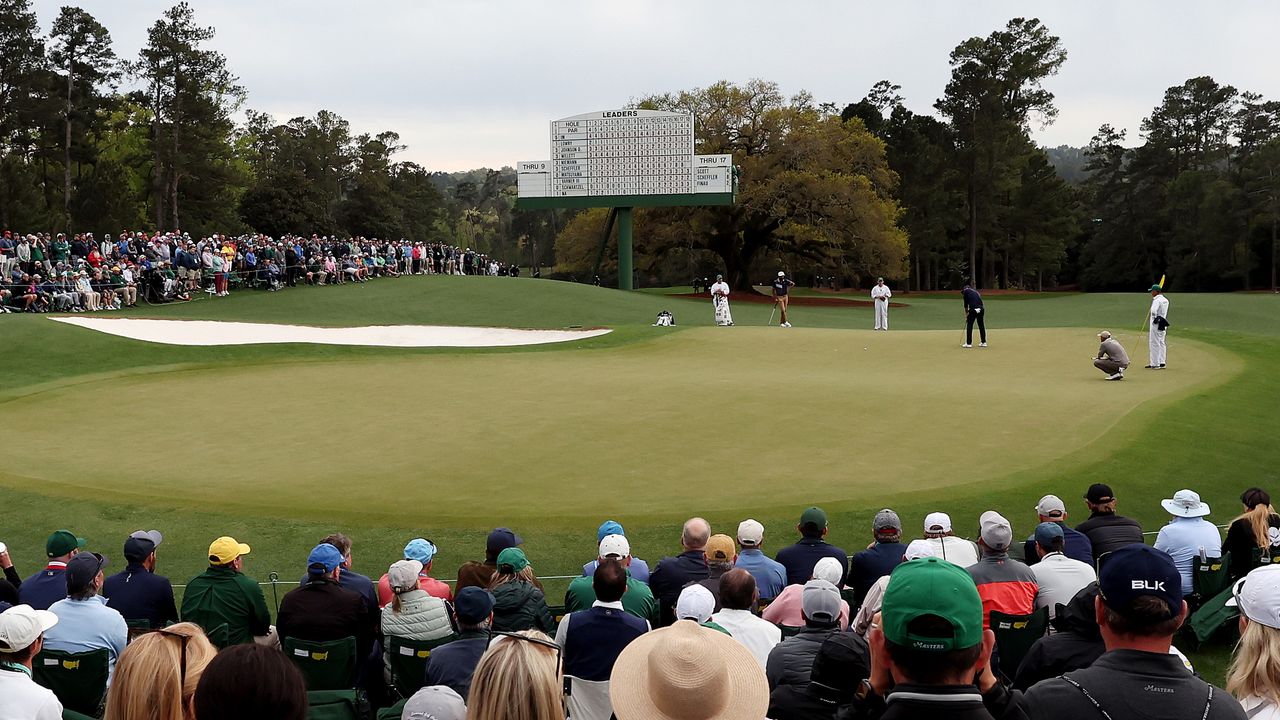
(558, 612)
(137, 627)
(1209, 577)
(333, 705)
(408, 659)
(78, 679)
(329, 665)
(1015, 634)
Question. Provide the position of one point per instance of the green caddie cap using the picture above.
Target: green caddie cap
(62, 542)
(932, 586)
(1155, 288)
(513, 557)
(813, 516)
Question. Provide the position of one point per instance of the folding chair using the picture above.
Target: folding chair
(330, 665)
(333, 705)
(587, 699)
(78, 679)
(408, 660)
(1209, 577)
(1015, 634)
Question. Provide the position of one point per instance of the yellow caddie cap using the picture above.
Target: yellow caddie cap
(226, 549)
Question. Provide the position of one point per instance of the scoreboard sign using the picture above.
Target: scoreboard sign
(624, 158)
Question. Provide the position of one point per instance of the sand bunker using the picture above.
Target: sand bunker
(208, 332)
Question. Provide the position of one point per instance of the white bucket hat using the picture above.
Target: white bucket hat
(1185, 503)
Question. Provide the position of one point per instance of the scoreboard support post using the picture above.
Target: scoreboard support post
(626, 276)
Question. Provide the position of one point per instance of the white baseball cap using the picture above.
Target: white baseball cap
(917, 549)
(937, 522)
(1051, 506)
(781, 274)
(695, 603)
(21, 625)
(615, 546)
(750, 533)
(828, 568)
(1258, 596)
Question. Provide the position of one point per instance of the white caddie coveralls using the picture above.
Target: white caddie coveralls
(1155, 336)
(720, 300)
(880, 295)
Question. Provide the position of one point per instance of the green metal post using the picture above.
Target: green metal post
(624, 249)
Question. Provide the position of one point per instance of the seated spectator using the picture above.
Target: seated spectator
(696, 603)
(1106, 530)
(1076, 544)
(223, 595)
(518, 603)
(22, 632)
(638, 600)
(452, 664)
(251, 682)
(835, 689)
(84, 621)
(521, 666)
(787, 609)
(434, 702)
(1075, 643)
(916, 549)
(791, 662)
(956, 550)
(1058, 577)
(480, 574)
(412, 614)
(800, 558)
(720, 559)
(157, 674)
(350, 579)
(1140, 607)
(321, 609)
(592, 639)
(1254, 536)
(881, 558)
(638, 568)
(652, 678)
(738, 598)
(423, 552)
(50, 584)
(1252, 677)
(137, 592)
(673, 573)
(1188, 534)
(11, 581)
(770, 575)
(1004, 584)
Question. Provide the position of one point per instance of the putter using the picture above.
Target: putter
(771, 312)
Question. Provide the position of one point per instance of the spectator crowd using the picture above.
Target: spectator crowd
(1072, 622)
(84, 273)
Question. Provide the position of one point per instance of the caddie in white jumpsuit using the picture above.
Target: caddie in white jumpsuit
(880, 295)
(1156, 329)
(720, 300)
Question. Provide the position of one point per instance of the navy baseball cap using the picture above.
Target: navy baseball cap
(500, 539)
(1139, 570)
(473, 605)
(1047, 532)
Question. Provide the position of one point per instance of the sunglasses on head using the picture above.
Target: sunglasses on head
(183, 637)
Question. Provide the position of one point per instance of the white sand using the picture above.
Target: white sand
(208, 332)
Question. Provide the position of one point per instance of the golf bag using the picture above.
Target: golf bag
(665, 319)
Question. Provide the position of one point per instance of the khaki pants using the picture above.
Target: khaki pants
(1108, 366)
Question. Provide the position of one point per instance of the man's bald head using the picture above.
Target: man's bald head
(738, 590)
(696, 533)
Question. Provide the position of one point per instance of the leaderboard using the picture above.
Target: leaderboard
(624, 152)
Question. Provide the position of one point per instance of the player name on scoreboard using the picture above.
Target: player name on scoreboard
(624, 152)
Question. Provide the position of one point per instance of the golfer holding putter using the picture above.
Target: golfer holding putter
(780, 287)
(973, 312)
(720, 301)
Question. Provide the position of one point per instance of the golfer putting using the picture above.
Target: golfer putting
(781, 286)
(720, 301)
(1111, 358)
(973, 312)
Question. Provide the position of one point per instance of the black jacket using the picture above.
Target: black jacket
(923, 702)
(1108, 531)
(1242, 546)
(1131, 684)
(791, 661)
(323, 610)
(671, 575)
(1076, 644)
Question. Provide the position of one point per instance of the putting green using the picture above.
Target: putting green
(712, 418)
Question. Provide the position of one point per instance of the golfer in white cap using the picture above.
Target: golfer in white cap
(720, 301)
(21, 639)
(880, 295)
(1111, 359)
(1188, 534)
(781, 286)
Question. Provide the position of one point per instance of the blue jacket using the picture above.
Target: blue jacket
(800, 558)
(45, 587)
(770, 575)
(1075, 545)
(595, 638)
(972, 299)
(638, 568)
(139, 594)
(872, 564)
(453, 664)
(671, 575)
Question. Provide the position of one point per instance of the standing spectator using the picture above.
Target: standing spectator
(955, 550)
(479, 574)
(1139, 609)
(1052, 509)
(720, 559)
(592, 639)
(791, 662)
(1252, 677)
(521, 666)
(1004, 584)
(84, 620)
(638, 568)
(321, 609)
(638, 599)
(1253, 538)
(881, 558)
(770, 575)
(1106, 530)
(452, 664)
(518, 604)
(787, 609)
(973, 312)
(250, 682)
(738, 597)
(800, 558)
(50, 584)
(224, 595)
(22, 632)
(423, 552)
(137, 592)
(1058, 577)
(157, 674)
(673, 573)
(1075, 644)
(412, 614)
(1188, 534)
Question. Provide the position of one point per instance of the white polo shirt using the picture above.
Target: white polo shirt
(758, 635)
(1060, 578)
(23, 699)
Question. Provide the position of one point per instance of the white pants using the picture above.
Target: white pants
(723, 316)
(882, 315)
(1155, 346)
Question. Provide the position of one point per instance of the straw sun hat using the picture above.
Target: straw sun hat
(688, 671)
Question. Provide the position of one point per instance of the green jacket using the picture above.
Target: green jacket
(222, 595)
(637, 600)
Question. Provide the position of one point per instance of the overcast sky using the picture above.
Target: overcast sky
(474, 83)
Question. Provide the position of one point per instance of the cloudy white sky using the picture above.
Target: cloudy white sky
(473, 83)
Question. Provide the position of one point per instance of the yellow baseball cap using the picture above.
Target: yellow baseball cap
(226, 549)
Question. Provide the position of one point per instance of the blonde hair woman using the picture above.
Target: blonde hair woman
(157, 673)
(523, 665)
(1255, 532)
(518, 603)
(1254, 674)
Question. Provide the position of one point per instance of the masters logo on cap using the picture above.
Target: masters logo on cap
(938, 589)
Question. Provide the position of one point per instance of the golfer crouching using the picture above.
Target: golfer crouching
(1111, 359)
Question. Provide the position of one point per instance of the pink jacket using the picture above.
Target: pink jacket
(786, 609)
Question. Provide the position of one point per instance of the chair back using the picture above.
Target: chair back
(333, 705)
(1210, 576)
(137, 627)
(329, 665)
(586, 699)
(78, 679)
(1015, 634)
(408, 661)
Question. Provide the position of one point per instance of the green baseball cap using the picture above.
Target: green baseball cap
(513, 557)
(62, 542)
(1155, 288)
(932, 586)
(813, 516)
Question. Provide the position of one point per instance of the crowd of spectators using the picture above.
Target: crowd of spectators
(84, 273)
(903, 628)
